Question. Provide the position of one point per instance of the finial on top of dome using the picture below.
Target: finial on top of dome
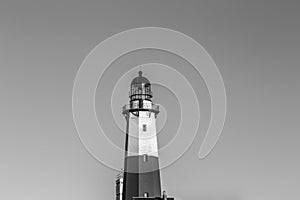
(140, 73)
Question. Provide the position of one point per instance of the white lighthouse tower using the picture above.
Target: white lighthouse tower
(141, 176)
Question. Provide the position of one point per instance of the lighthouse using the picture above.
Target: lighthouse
(140, 178)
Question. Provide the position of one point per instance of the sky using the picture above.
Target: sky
(255, 45)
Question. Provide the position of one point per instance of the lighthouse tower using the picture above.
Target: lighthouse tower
(141, 176)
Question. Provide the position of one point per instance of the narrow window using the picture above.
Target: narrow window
(144, 127)
(146, 194)
(145, 158)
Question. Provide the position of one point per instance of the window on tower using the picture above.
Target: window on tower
(146, 194)
(145, 158)
(144, 127)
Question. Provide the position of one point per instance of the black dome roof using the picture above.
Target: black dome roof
(140, 79)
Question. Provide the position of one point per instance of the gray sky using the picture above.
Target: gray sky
(255, 44)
